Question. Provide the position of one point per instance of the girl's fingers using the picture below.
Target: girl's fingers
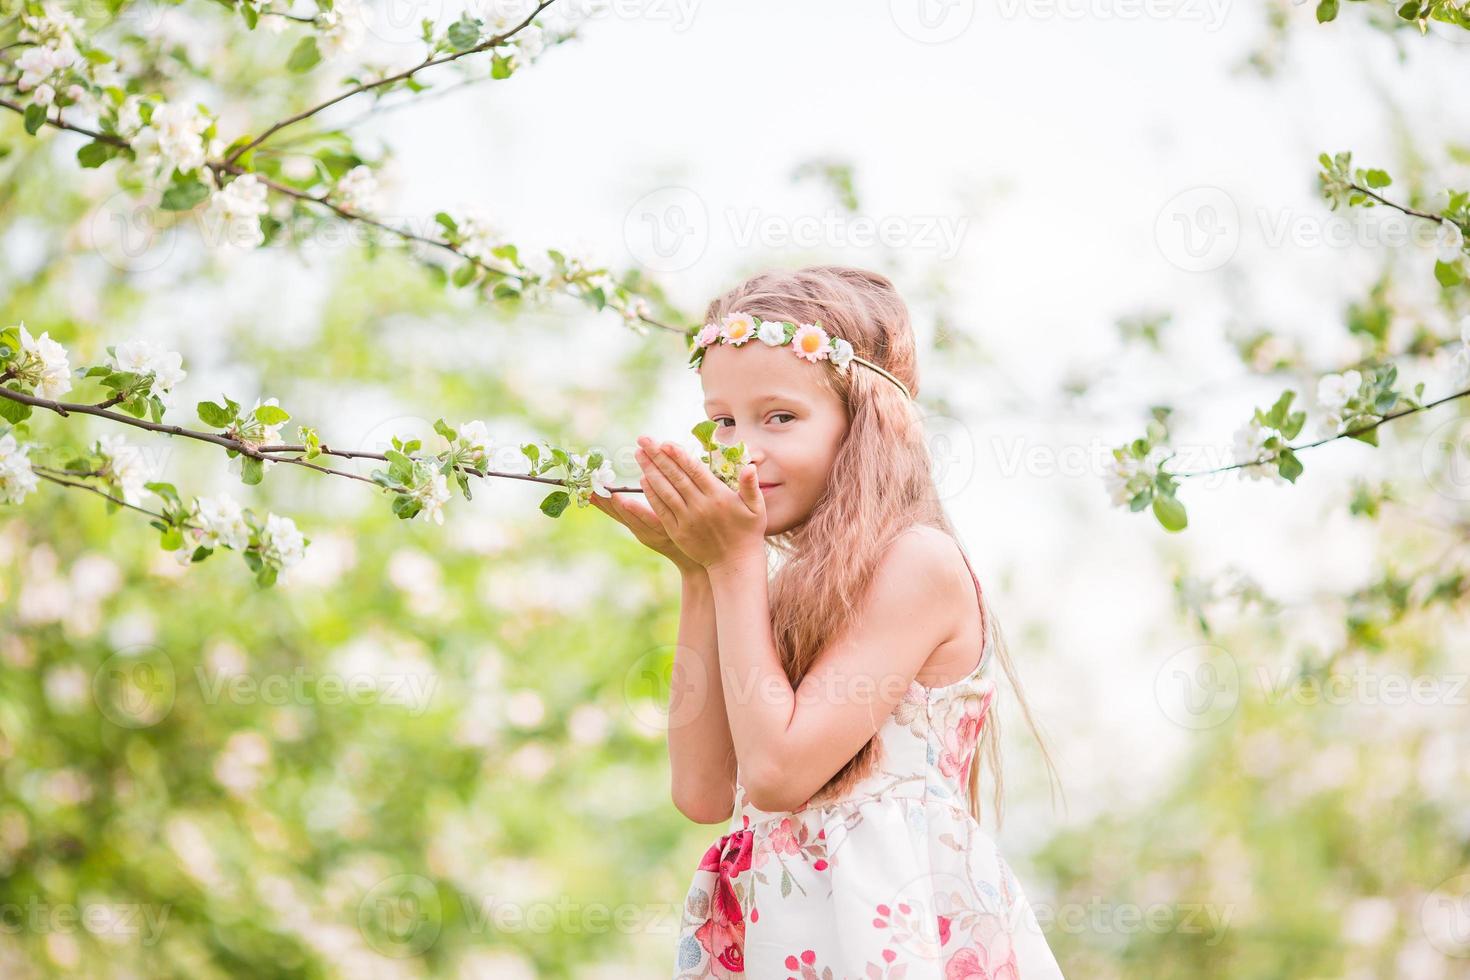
(640, 512)
(675, 473)
(656, 500)
(699, 475)
(657, 481)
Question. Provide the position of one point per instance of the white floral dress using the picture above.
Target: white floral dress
(893, 880)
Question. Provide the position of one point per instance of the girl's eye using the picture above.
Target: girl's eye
(786, 415)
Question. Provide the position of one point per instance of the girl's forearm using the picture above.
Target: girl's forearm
(759, 700)
(701, 753)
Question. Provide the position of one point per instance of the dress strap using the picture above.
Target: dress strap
(984, 626)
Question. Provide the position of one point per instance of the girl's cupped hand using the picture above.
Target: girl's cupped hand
(640, 518)
(703, 517)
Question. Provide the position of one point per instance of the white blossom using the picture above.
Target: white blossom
(1451, 241)
(358, 189)
(636, 309)
(529, 42)
(45, 364)
(44, 94)
(1334, 391)
(341, 28)
(478, 237)
(1250, 445)
(240, 204)
(221, 522)
(1460, 363)
(1130, 475)
(174, 136)
(474, 439)
(130, 117)
(16, 476)
(40, 63)
(432, 495)
(53, 23)
(600, 477)
(281, 543)
(146, 357)
(125, 466)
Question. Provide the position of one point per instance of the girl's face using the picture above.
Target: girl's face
(791, 424)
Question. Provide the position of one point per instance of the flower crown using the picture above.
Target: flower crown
(808, 340)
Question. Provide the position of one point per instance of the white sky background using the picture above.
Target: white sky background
(1061, 140)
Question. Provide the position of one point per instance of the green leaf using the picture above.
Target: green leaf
(1377, 178)
(304, 56)
(407, 507)
(464, 33)
(1288, 465)
(96, 154)
(704, 432)
(14, 412)
(555, 503)
(35, 118)
(442, 427)
(252, 469)
(465, 274)
(499, 66)
(251, 15)
(184, 195)
(167, 491)
(271, 414)
(1447, 273)
(449, 223)
(212, 414)
(1326, 11)
(1170, 513)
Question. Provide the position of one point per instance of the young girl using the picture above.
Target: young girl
(830, 712)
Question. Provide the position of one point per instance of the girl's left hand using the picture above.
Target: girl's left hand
(707, 520)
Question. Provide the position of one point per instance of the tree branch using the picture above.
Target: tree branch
(492, 42)
(1322, 442)
(259, 452)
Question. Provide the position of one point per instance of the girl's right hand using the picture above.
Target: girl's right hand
(640, 518)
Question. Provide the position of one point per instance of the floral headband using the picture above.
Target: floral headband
(808, 340)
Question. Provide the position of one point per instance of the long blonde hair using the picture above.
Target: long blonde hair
(881, 485)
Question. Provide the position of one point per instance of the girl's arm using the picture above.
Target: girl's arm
(701, 752)
(790, 742)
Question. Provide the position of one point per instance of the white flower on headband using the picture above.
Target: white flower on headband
(841, 357)
(737, 328)
(811, 342)
(773, 333)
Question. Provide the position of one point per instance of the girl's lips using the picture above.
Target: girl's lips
(769, 486)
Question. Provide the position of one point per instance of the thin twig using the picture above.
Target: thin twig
(1322, 442)
(41, 472)
(491, 42)
(1431, 216)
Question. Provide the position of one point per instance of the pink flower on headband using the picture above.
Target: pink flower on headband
(811, 342)
(738, 328)
(709, 335)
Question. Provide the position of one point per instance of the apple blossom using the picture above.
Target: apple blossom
(221, 522)
(17, 479)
